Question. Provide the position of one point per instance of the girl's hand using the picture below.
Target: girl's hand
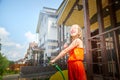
(65, 45)
(52, 61)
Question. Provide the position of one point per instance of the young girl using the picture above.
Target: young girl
(76, 69)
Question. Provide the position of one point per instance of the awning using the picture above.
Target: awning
(77, 15)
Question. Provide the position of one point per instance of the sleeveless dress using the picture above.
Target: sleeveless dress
(76, 69)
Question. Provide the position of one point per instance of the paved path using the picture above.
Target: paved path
(11, 77)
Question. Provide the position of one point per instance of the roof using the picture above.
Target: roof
(45, 11)
(66, 17)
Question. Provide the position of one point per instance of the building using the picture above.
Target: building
(34, 55)
(49, 44)
(100, 20)
(48, 33)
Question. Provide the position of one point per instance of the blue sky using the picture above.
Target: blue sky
(18, 22)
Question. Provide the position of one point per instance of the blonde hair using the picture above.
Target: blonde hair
(80, 35)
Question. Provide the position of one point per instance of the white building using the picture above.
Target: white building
(47, 32)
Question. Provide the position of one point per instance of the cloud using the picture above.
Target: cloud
(13, 44)
(13, 51)
(3, 32)
(30, 36)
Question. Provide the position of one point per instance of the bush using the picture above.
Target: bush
(3, 63)
(1, 78)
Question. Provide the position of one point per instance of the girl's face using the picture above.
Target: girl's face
(74, 30)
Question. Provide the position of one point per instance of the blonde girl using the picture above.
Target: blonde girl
(76, 69)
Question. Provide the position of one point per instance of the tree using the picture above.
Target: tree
(3, 64)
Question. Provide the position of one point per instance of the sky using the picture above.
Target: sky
(18, 23)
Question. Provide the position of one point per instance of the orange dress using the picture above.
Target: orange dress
(76, 69)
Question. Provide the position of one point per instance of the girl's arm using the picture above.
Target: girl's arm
(63, 52)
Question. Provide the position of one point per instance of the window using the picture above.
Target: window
(53, 25)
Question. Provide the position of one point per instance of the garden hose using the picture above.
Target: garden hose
(58, 69)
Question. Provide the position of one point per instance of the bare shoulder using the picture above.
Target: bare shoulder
(79, 42)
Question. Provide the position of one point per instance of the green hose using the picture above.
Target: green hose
(58, 68)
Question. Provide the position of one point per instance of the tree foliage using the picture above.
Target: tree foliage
(4, 63)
